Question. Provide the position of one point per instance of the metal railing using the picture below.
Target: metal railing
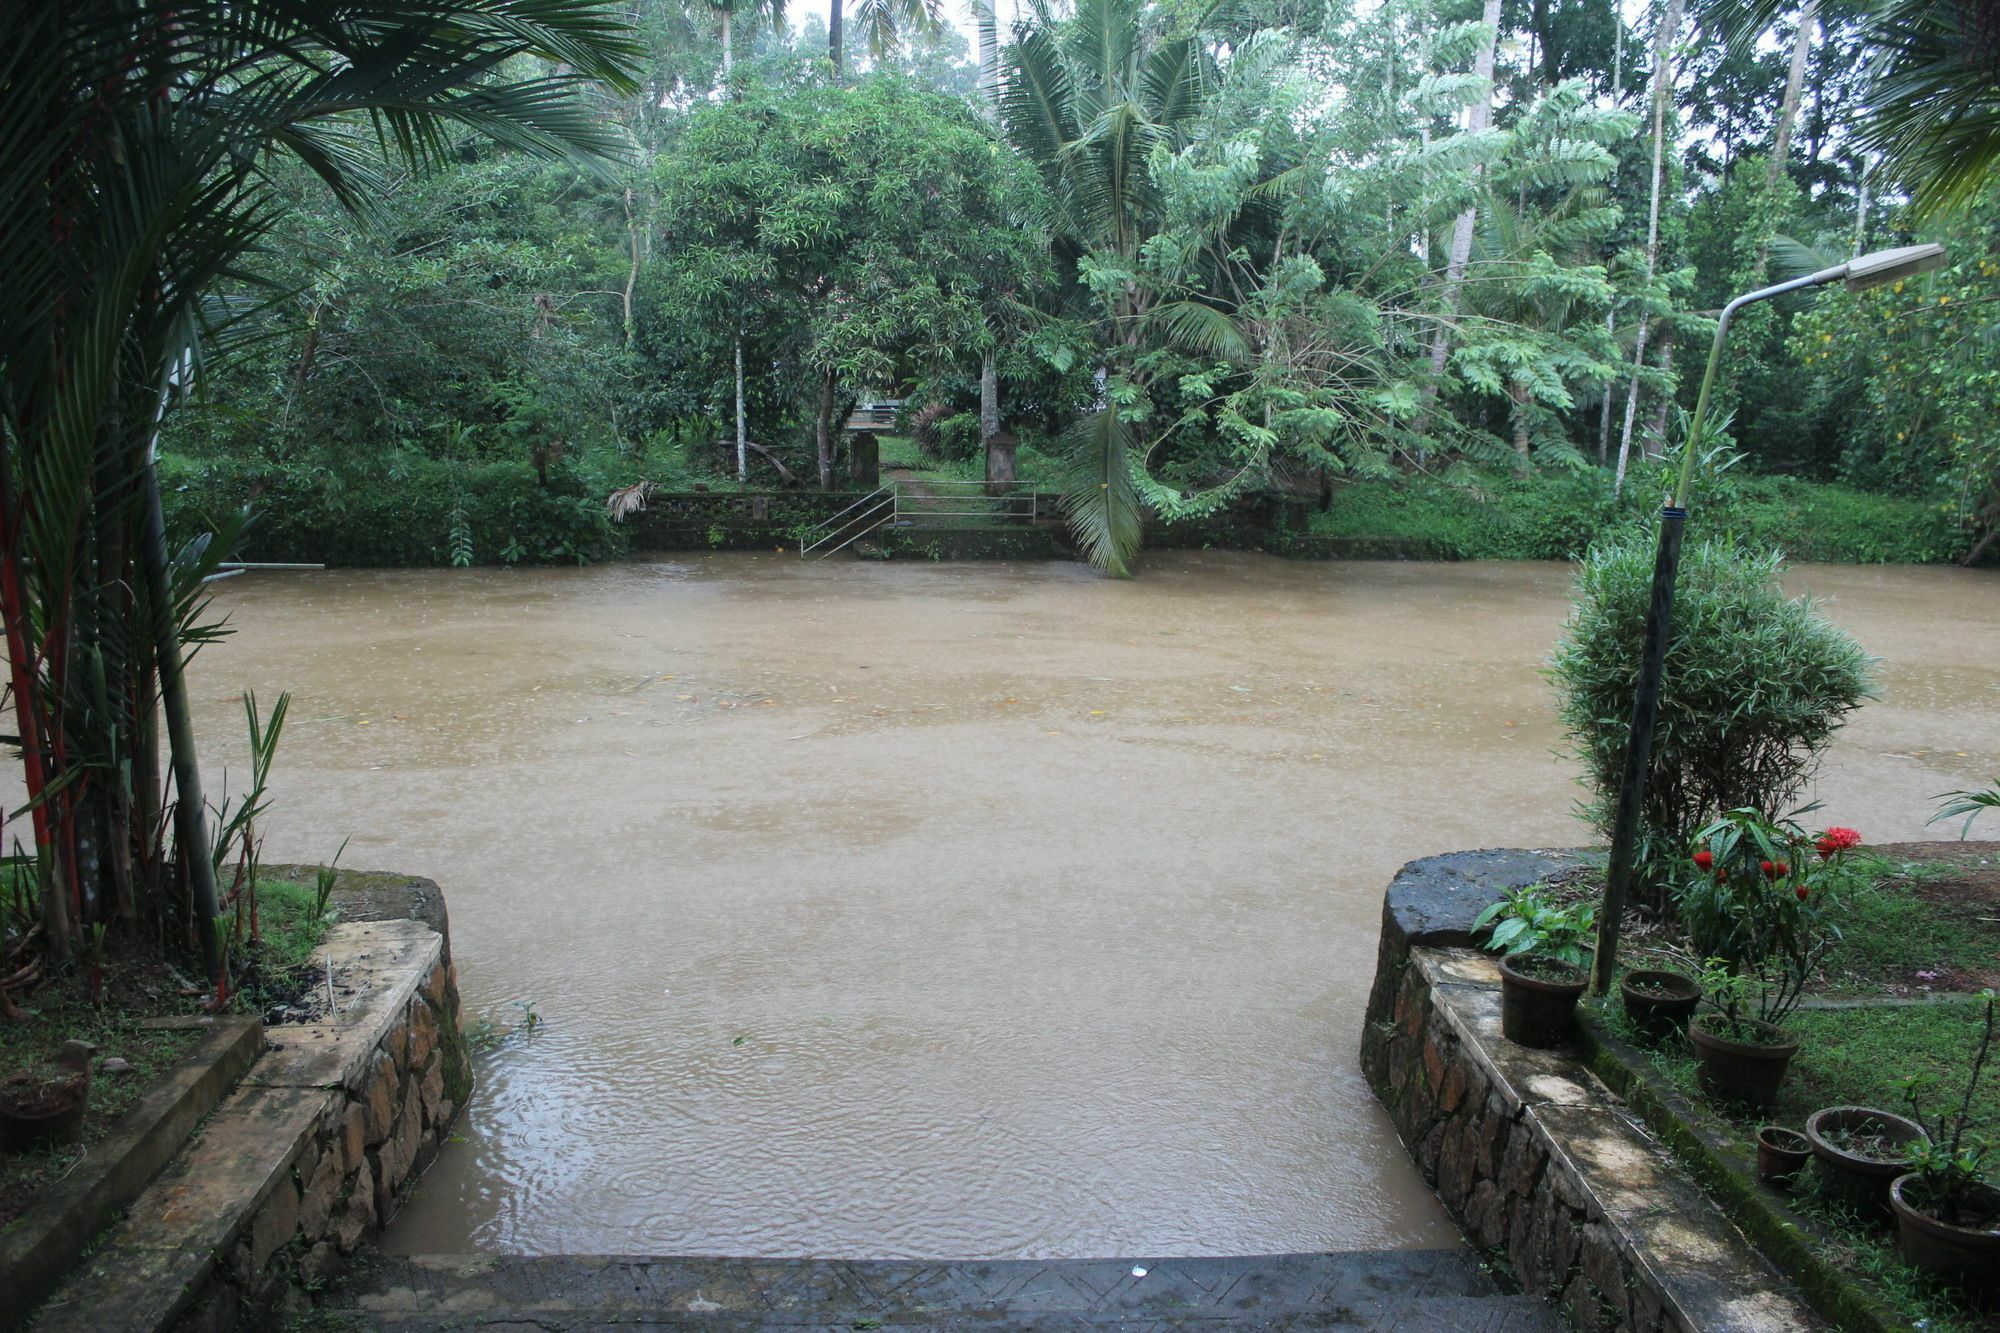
(966, 499)
(851, 524)
(892, 506)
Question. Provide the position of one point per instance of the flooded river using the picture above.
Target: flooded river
(909, 910)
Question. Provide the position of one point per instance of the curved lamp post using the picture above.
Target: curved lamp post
(1870, 270)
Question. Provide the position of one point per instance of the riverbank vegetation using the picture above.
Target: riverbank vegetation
(1441, 268)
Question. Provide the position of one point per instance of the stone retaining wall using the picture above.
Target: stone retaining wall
(315, 1150)
(1539, 1163)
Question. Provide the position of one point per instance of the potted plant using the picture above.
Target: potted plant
(1541, 948)
(1947, 1213)
(1781, 1154)
(1860, 1150)
(1659, 1003)
(46, 1108)
(1759, 907)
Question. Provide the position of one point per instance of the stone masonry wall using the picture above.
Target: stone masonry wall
(1494, 1172)
(392, 1078)
(1539, 1163)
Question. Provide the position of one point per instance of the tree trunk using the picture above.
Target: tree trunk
(1663, 84)
(632, 271)
(823, 428)
(728, 52)
(1523, 463)
(1788, 115)
(989, 395)
(742, 449)
(989, 56)
(1461, 231)
(833, 17)
(1656, 444)
(1604, 408)
(1861, 206)
(1795, 83)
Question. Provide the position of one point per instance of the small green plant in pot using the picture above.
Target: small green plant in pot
(1543, 949)
(1759, 903)
(1947, 1212)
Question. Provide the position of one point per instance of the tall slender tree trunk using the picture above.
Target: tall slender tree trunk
(728, 45)
(632, 270)
(1795, 83)
(989, 56)
(1861, 204)
(1656, 440)
(833, 26)
(1611, 315)
(1788, 116)
(823, 429)
(1663, 85)
(1523, 461)
(742, 445)
(1461, 231)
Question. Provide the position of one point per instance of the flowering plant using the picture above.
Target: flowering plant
(1761, 903)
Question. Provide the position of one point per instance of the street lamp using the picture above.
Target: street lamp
(1870, 270)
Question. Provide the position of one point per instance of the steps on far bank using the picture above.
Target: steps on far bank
(1433, 1291)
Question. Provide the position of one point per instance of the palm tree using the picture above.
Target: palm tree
(881, 22)
(1934, 103)
(1087, 99)
(1096, 101)
(725, 10)
(135, 147)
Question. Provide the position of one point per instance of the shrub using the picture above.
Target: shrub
(418, 511)
(1754, 686)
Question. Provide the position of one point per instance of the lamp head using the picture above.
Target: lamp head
(1888, 265)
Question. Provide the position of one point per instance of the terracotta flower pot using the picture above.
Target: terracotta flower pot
(1538, 1000)
(38, 1112)
(1860, 1150)
(1781, 1154)
(1967, 1254)
(1659, 1003)
(1744, 1065)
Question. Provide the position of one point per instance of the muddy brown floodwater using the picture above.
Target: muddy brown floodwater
(905, 910)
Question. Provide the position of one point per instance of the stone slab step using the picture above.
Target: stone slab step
(1382, 1290)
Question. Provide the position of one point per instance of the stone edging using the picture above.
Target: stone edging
(1532, 1155)
(311, 1155)
(52, 1236)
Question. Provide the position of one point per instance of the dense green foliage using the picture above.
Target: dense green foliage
(1557, 515)
(1188, 255)
(1754, 686)
(148, 154)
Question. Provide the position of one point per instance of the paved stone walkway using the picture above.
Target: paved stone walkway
(1445, 1291)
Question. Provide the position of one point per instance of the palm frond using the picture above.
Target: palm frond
(1098, 497)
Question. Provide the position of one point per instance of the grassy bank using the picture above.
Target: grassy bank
(421, 511)
(1555, 516)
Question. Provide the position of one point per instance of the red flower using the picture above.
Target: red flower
(1782, 869)
(1837, 839)
(1770, 869)
(1704, 860)
(1802, 892)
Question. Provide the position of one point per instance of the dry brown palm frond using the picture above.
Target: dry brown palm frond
(628, 500)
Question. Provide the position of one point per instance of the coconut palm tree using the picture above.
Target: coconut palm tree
(1095, 100)
(882, 23)
(726, 12)
(136, 141)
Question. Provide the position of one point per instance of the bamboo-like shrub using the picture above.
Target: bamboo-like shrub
(1754, 687)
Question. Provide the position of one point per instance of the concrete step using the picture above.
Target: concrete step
(1412, 1290)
